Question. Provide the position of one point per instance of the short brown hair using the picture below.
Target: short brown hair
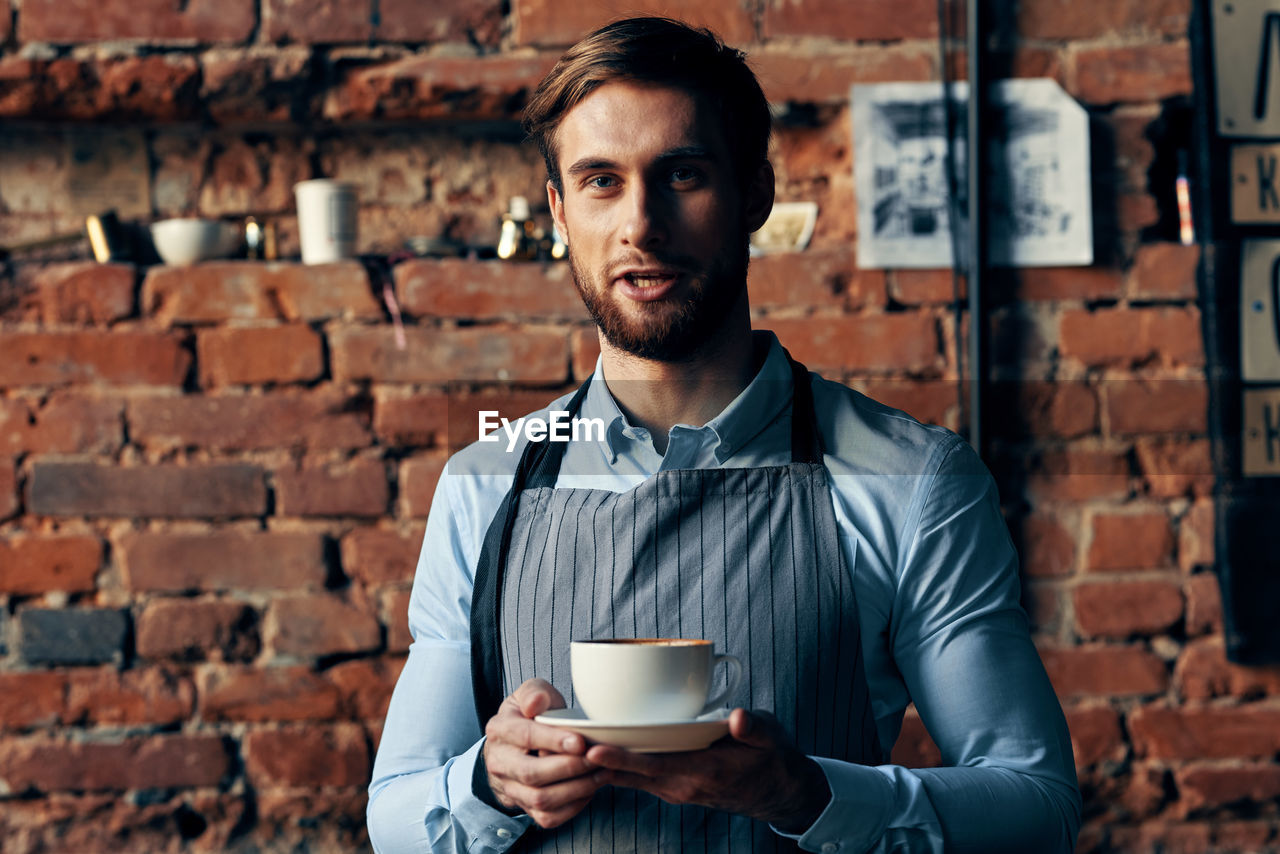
(665, 52)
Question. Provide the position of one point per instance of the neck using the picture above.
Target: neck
(657, 395)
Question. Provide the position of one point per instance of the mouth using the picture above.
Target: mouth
(647, 285)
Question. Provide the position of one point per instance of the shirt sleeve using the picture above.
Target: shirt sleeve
(962, 643)
(420, 797)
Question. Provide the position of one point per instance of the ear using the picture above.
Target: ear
(759, 201)
(556, 202)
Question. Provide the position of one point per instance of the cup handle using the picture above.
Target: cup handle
(731, 684)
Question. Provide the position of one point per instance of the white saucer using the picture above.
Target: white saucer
(661, 737)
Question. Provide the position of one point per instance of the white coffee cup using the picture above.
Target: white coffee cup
(326, 220)
(647, 680)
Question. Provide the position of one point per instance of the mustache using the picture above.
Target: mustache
(680, 263)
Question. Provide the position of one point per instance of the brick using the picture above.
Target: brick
(195, 629)
(366, 685)
(1062, 20)
(1066, 409)
(473, 354)
(257, 178)
(1043, 603)
(811, 74)
(1131, 130)
(55, 636)
(410, 419)
(928, 401)
(1119, 609)
(61, 425)
(1142, 540)
(1243, 835)
(149, 20)
(328, 821)
(1195, 536)
(925, 287)
(487, 290)
(105, 88)
(1206, 732)
(252, 290)
(877, 342)
(1127, 337)
(436, 87)
(1107, 75)
(1104, 670)
(119, 357)
(1058, 283)
(1176, 468)
(450, 20)
(544, 22)
(147, 762)
(826, 279)
(266, 694)
(1164, 271)
(1046, 546)
(259, 83)
(1147, 789)
(1095, 735)
(324, 419)
(1022, 338)
(1162, 835)
(1157, 406)
(912, 19)
(915, 748)
(418, 479)
(287, 353)
(1204, 604)
(30, 700)
(8, 489)
(161, 491)
(137, 696)
(1203, 672)
(320, 624)
(395, 608)
(356, 487)
(1134, 212)
(86, 293)
(31, 565)
(316, 21)
(1075, 474)
(222, 560)
(375, 556)
(317, 756)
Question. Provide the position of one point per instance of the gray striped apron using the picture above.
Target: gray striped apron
(748, 558)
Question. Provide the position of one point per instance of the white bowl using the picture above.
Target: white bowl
(185, 241)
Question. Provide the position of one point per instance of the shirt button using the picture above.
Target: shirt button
(503, 833)
(830, 848)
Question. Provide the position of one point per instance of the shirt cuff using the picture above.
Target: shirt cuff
(861, 806)
(489, 829)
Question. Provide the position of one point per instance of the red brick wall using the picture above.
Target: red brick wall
(213, 481)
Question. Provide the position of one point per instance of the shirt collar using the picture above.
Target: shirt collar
(755, 407)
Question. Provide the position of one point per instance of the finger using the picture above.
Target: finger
(620, 759)
(535, 696)
(753, 728)
(511, 763)
(532, 737)
(557, 797)
(555, 818)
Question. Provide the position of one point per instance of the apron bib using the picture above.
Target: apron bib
(748, 558)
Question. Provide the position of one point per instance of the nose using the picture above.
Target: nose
(646, 221)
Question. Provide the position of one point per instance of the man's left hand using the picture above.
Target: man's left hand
(756, 771)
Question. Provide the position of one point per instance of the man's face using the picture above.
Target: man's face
(655, 222)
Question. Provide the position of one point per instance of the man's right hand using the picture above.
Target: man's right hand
(539, 769)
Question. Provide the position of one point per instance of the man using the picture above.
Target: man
(853, 559)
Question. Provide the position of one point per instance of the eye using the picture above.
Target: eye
(601, 182)
(684, 175)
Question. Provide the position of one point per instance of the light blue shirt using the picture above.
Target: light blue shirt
(936, 580)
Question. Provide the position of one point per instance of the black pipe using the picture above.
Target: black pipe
(976, 255)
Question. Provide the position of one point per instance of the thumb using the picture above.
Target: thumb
(752, 728)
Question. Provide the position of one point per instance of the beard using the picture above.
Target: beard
(667, 330)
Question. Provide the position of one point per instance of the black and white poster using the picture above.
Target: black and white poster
(1038, 153)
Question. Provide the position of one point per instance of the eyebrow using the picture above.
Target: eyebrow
(684, 152)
